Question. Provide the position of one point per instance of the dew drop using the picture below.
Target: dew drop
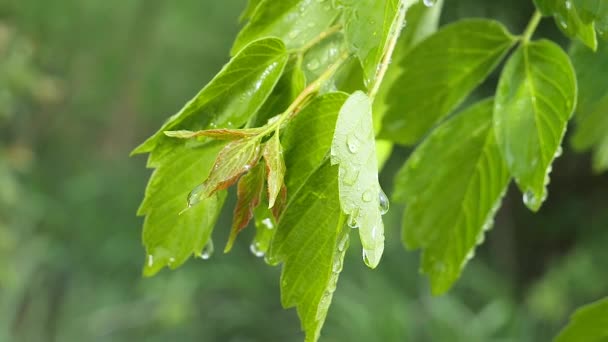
(367, 196)
(383, 202)
(338, 265)
(171, 261)
(352, 144)
(343, 244)
(207, 250)
(196, 195)
(150, 260)
(352, 221)
(559, 152)
(313, 64)
(429, 3)
(267, 222)
(256, 250)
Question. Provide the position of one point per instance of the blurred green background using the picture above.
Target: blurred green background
(82, 82)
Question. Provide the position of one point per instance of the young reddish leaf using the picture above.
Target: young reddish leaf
(280, 203)
(249, 193)
(220, 134)
(238, 157)
(275, 168)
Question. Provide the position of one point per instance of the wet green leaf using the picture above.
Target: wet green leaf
(439, 73)
(568, 20)
(311, 240)
(452, 186)
(275, 168)
(535, 98)
(170, 238)
(353, 148)
(232, 97)
(296, 22)
(589, 324)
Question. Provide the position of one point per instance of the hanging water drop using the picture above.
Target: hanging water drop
(352, 221)
(207, 250)
(383, 202)
(367, 196)
(256, 250)
(267, 222)
(150, 260)
(429, 3)
(558, 152)
(196, 195)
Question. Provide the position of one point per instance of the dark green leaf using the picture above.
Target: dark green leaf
(588, 324)
(353, 148)
(275, 166)
(234, 95)
(311, 240)
(452, 186)
(569, 20)
(296, 22)
(439, 73)
(249, 194)
(535, 99)
(170, 239)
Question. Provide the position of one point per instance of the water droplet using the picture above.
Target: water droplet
(343, 243)
(383, 202)
(207, 250)
(374, 232)
(352, 143)
(367, 196)
(352, 221)
(267, 222)
(568, 4)
(196, 195)
(429, 3)
(150, 260)
(256, 250)
(559, 152)
(338, 265)
(171, 260)
(349, 176)
(313, 64)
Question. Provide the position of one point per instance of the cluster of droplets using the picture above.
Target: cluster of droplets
(529, 197)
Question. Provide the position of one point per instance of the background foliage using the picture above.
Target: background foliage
(81, 82)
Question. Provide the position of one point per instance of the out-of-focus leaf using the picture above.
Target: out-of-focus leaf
(307, 139)
(588, 324)
(452, 186)
(296, 22)
(311, 240)
(353, 148)
(275, 168)
(235, 94)
(592, 106)
(367, 26)
(249, 195)
(535, 98)
(170, 239)
(439, 73)
(569, 21)
(236, 158)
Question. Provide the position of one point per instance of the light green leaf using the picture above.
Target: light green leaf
(275, 166)
(452, 186)
(535, 98)
(307, 139)
(439, 73)
(296, 22)
(588, 324)
(170, 239)
(311, 240)
(569, 21)
(367, 26)
(353, 148)
(235, 94)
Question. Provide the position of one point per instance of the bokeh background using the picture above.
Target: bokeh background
(82, 82)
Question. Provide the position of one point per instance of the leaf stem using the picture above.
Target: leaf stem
(389, 49)
(531, 28)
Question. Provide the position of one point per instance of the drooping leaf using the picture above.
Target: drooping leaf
(452, 186)
(235, 159)
(235, 94)
(296, 22)
(535, 98)
(307, 139)
(569, 20)
(275, 168)
(367, 26)
(311, 241)
(439, 73)
(592, 106)
(353, 148)
(589, 324)
(170, 239)
(249, 194)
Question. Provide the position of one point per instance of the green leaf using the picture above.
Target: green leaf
(170, 239)
(569, 21)
(439, 73)
(249, 194)
(236, 158)
(249, 11)
(589, 324)
(596, 11)
(452, 186)
(296, 22)
(535, 98)
(275, 167)
(307, 139)
(311, 240)
(367, 26)
(592, 107)
(235, 94)
(353, 148)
